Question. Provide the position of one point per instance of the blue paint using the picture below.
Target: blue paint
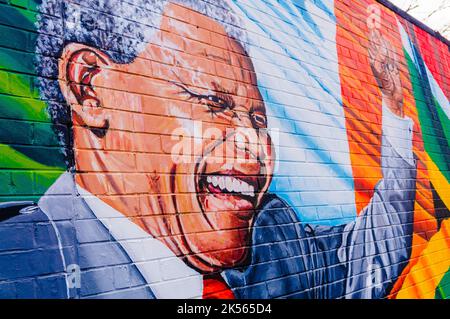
(301, 29)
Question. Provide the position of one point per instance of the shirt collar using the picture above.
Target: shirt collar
(167, 275)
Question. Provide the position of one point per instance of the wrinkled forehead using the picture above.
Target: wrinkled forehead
(192, 41)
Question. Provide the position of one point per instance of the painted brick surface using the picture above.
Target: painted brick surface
(222, 149)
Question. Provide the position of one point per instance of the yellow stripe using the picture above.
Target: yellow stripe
(439, 181)
(433, 263)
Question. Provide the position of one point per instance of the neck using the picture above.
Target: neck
(394, 105)
(146, 211)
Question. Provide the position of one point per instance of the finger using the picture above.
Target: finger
(374, 46)
(377, 37)
(375, 62)
(375, 33)
(389, 48)
(392, 57)
(387, 55)
(372, 54)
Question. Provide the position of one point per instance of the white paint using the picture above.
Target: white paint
(436, 21)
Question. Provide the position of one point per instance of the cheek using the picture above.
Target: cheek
(85, 140)
(185, 184)
(268, 148)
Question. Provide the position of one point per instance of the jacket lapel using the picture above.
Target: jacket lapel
(106, 271)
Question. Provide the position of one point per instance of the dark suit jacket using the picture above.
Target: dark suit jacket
(39, 245)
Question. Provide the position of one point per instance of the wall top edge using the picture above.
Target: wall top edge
(413, 20)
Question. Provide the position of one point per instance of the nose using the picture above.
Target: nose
(247, 138)
(241, 118)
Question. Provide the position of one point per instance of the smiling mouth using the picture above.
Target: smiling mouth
(228, 191)
(229, 184)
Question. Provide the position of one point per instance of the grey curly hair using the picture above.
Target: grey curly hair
(119, 28)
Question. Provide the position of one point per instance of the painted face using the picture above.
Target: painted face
(184, 153)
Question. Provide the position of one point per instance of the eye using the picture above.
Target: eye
(216, 103)
(258, 119)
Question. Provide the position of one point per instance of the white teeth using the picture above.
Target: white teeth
(252, 191)
(245, 188)
(221, 182)
(215, 181)
(231, 184)
(236, 185)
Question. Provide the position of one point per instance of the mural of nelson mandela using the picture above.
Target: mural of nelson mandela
(140, 225)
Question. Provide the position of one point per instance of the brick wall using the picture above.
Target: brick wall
(222, 149)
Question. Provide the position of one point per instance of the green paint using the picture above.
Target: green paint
(22, 178)
(19, 198)
(428, 122)
(443, 289)
(444, 120)
(22, 108)
(13, 159)
(17, 17)
(49, 156)
(19, 3)
(43, 180)
(17, 61)
(17, 39)
(25, 183)
(30, 160)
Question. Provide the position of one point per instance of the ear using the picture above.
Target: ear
(78, 67)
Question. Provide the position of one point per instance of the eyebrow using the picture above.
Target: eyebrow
(259, 106)
(219, 88)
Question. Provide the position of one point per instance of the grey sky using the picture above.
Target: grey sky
(434, 13)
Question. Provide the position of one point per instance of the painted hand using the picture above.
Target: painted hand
(382, 57)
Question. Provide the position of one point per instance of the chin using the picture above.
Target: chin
(219, 260)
